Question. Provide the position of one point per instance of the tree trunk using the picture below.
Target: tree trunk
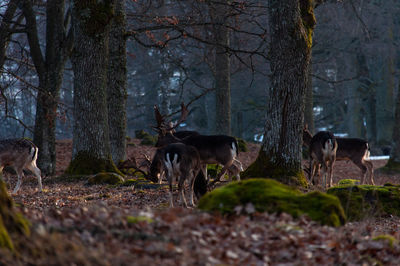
(394, 161)
(5, 27)
(50, 70)
(91, 139)
(309, 103)
(218, 11)
(116, 84)
(280, 154)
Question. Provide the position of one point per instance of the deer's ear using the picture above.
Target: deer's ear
(306, 126)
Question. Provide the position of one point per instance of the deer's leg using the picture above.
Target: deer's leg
(192, 178)
(181, 190)
(171, 195)
(324, 173)
(363, 168)
(370, 171)
(20, 174)
(36, 171)
(331, 164)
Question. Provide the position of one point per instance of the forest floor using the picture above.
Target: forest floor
(115, 225)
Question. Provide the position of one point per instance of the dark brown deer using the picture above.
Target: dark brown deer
(20, 154)
(353, 149)
(213, 149)
(323, 148)
(181, 162)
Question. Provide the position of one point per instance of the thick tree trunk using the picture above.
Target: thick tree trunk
(280, 154)
(116, 84)
(309, 103)
(394, 161)
(218, 11)
(91, 141)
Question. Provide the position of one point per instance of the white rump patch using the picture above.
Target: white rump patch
(233, 150)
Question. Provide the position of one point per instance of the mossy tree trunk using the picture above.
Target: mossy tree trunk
(291, 27)
(116, 84)
(219, 15)
(50, 69)
(11, 222)
(91, 139)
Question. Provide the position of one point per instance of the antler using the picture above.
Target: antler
(163, 127)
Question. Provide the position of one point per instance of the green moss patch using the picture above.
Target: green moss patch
(84, 163)
(386, 238)
(349, 182)
(149, 140)
(140, 183)
(106, 178)
(362, 201)
(242, 145)
(138, 219)
(264, 167)
(10, 220)
(267, 195)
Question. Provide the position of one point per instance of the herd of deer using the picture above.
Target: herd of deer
(184, 155)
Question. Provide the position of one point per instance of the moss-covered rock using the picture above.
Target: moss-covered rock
(106, 178)
(242, 145)
(263, 167)
(10, 220)
(386, 238)
(84, 163)
(349, 182)
(362, 201)
(149, 140)
(267, 195)
(140, 134)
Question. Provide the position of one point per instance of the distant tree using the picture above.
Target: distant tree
(219, 13)
(280, 154)
(50, 69)
(116, 84)
(91, 140)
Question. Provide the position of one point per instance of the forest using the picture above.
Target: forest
(199, 132)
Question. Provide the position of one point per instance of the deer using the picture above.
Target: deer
(181, 162)
(323, 147)
(20, 154)
(351, 149)
(213, 149)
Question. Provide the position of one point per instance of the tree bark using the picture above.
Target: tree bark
(291, 27)
(394, 160)
(116, 84)
(91, 139)
(309, 103)
(5, 27)
(218, 11)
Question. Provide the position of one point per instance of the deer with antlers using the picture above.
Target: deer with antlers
(213, 149)
(352, 149)
(20, 154)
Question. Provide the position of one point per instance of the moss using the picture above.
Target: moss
(387, 238)
(268, 195)
(106, 178)
(242, 145)
(349, 182)
(264, 167)
(85, 163)
(391, 167)
(140, 134)
(95, 15)
(149, 140)
(308, 19)
(137, 219)
(10, 220)
(362, 201)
